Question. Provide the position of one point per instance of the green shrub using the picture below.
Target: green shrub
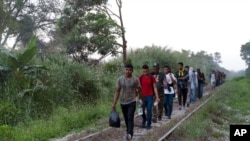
(9, 113)
(239, 78)
(5, 132)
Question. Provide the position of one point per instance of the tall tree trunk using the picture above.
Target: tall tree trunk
(124, 41)
(5, 39)
(0, 39)
(16, 41)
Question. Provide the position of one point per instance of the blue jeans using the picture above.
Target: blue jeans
(148, 105)
(168, 104)
(192, 96)
(200, 90)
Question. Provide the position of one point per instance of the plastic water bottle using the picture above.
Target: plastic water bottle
(140, 112)
(155, 103)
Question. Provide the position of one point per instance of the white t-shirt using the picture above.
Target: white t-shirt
(169, 81)
(212, 77)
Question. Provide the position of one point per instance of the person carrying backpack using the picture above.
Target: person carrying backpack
(159, 76)
(201, 82)
(128, 87)
(169, 84)
(148, 89)
(182, 82)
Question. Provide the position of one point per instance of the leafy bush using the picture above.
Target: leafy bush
(35, 87)
(9, 113)
(5, 132)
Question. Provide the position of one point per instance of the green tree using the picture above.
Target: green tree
(87, 31)
(217, 57)
(20, 19)
(117, 16)
(245, 53)
(247, 71)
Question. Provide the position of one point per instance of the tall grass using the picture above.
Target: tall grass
(71, 97)
(230, 105)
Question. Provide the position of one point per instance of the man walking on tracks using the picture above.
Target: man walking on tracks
(148, 89)
(212, 77)
(169, 90)
(159, 76)
(193, 84)
(182, 79)
(201, 81)
(128, 87)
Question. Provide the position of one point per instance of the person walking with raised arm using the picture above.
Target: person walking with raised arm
(169, 84)
(159, 76)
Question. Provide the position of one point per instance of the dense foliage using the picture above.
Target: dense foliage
(86, 31)
(32, 88)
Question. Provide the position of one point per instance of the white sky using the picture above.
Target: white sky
(209, 25)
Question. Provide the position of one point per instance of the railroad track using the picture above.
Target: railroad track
(114, 134)
(99, 132)
(165, 136)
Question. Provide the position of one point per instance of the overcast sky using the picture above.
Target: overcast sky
(209, 25)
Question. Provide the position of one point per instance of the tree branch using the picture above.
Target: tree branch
(17, 40)
(5, 38)
(45, 24)
(119, 3)
(110, 11)
(119, 44)
(104, 56)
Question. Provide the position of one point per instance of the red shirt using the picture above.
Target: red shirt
(147, 85)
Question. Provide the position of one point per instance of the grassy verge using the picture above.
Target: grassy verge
(60, 123)
(230, 105)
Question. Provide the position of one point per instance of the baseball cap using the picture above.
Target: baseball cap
(156, 65)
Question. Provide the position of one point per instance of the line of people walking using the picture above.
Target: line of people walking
(156, 90)
(216, 78)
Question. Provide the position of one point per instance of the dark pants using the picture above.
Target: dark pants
(147, 105)
(168, 104)
(157, 114)
(128, 111)
(182, 96)
(200, 90)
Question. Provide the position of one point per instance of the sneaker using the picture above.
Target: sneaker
(154, 120)
(159, 118)
(149, 127)
(143, 125)
(188, 105)
(128, 137)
